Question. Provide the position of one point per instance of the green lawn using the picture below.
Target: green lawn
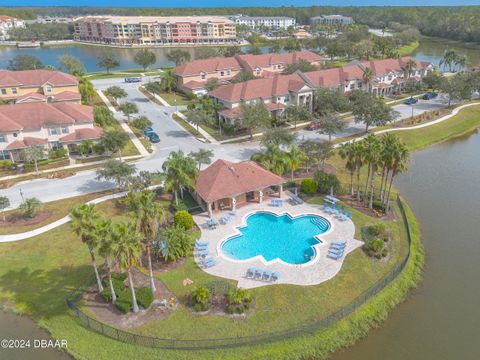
(180, 98)
(408, 49)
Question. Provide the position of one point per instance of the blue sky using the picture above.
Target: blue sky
(232, 3)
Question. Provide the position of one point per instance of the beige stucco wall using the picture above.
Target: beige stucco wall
(27, 90)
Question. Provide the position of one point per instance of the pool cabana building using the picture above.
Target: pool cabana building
(225, 185)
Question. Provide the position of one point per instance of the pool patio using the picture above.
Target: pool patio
(319, 269)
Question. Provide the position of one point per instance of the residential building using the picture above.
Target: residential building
(50, 125)
(331, 20)
(225, 185)
(270, 22)
(155, 30)
(8, 23)
(191, 77)
(38, 86)
(276, 92)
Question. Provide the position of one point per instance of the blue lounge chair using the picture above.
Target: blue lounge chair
(201, 247)
(335, 251)
(251, 272)
(210, 263)
(232, 213)
(275, 276)
(334, 256)
(258, 273)
(267, 274)
(337, 248)
(202, 253)
(200, 243)
(325, 206)
(272, 202)
(339, 243)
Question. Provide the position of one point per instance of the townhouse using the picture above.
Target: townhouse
(270, 22)
(49, 125)
(276, 92)
(8, 23)
(38, 86)
(191, 77)
(331, 20)
(155, 30)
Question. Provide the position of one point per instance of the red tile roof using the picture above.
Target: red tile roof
(83, 134)
(67, 96)
(259, 88)
(237, 112)
(251, 62)
(225, 179)
(385, 66)
(193, 85)
(208, 66)
(36, 78)
(31, 116)
(34, 96)
(27, 141)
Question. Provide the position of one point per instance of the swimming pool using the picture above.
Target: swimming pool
(276, 237)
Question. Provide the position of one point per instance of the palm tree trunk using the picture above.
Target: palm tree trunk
(381, 182)
(110, 283)
(372, 184)
(389, 189)
(150, 269)
(291, 174)
(181, 192)
(351, 183)
(368, 177)
(132, 289)
(358, 184)
(99, 282)
(385, 186)
(175, 193)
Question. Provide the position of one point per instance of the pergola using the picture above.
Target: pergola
(224, 185)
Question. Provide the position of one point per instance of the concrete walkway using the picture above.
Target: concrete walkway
(205, 134)
(319, 269)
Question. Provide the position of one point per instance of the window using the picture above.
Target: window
(49, 89)
(202, 75)
(4, 91)
(360, 85)
(14, 91)
(4, 155)
(287, 98)
(53, 131)
(64, 130)
(3, 138)
(228, 72)
(390, 77)
(222, 73)
(352, 86)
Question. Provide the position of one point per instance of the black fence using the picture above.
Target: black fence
(196, 344)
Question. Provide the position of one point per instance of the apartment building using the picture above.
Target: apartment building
(276, 92)
(191, 77)
(331, 20)
(270, 22)
(50, 125)
(155, 30)
(8, 23)
(38, 86)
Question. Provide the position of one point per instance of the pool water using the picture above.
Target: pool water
(276, 237)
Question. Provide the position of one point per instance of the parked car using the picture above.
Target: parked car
(147, 131)
(411, 101)
(133, 79)
(429, 95)
(314, 125)
(154, 138)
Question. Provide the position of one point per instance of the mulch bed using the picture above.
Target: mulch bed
(109, 314)
(18, 220)
(359, 206)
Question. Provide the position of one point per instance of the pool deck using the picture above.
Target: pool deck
(319, 269)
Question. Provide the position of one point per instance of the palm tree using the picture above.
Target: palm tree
(197, 117)
(202, 156)
(180, 172)
(410, 66)
(359, 152)
(102, 232)
(461, 62)
(168, 80)
(127, 244)
(347, 152)
(389, 142)
(448, 60)
(372, 155)
(294, 158)
(273, 159)
(368, 76)
(149, 215)
(400, 165)
(84, 218)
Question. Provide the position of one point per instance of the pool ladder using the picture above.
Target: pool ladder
(321, 224)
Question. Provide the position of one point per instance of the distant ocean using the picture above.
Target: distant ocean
(234, 3)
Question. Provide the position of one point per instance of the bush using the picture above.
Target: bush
(376, 248)
(57, 154)
(308, 186)
(123, 304)
(239, 299)
(117, 281)
(180, 207)
(144, 297)
(141, 122)
(379, 205)
(327, 182)
(183, 219)
(200, 298)
(6, 165)
(106, 294)
(30, 207)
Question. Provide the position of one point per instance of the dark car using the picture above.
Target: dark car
(133, 79)
(429, 95)
(314, 125)
(154, 138)
(410, 101)
(147, 131)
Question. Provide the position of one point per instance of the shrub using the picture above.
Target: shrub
(239, 299)
(6, 164)
(106, 294)
(180, 207)
(123, 304)
(183, 219)
(144, 297)
(308, 186)
(376, 248)
(173, 243)
(326, 182)
(117, 282)
(379, 205)
(141, 122)
(231, 309)
(30, 207)
(200, 298)
(57, 154)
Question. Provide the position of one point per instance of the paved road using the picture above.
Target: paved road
(173, 137)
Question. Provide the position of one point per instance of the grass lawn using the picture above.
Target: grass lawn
(170, 98)
(191, 129)
(408, 49)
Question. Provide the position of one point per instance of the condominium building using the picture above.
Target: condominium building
(155, 30)
(331, 20)
(271, 22)
(8, 23)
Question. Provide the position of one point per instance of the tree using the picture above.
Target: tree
(114, 141)
(103, 116)
(278, 136)
(371, 110)
(25, 62)
(401, 158)
(142, 180)
(273, 159)
(347, 153)
(149, 215)
(331, 125)
(410, 67)
(142, 122)
(180, 172)
(30, 207)
(243, 76)
(145, 58)
(116, 171)
(85, 148)
(71, 64)
(115, 92)
(34, 153)
(102, 234)
(4, 203)
(327, 101)
(129, 109)
(202, 156)
(433, 81)
(298, 113)
(197, 117)
(169, 81)
(457, 88)
(128, 247)
(174, 242)
(87, 91)
(178, 56)
(206, 52)
(108, 61)
(212, 84)
(254, 115)
(302, 65)
(368, 76)
(448, 60)
(84, 217)
(372, 156)
(233, 50)
(295, 157)
(317, 152)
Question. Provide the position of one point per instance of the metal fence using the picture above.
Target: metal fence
(196, 344)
